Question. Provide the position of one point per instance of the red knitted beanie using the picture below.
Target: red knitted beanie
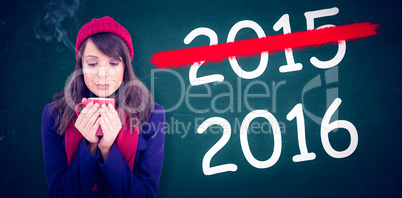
(105, 24)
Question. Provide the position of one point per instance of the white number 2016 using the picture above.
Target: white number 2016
(296, 112)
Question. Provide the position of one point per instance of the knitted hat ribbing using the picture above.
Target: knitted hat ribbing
(105, 24)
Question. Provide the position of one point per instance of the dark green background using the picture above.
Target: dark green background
(37, 57)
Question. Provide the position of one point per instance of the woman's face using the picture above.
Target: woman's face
(103, 75)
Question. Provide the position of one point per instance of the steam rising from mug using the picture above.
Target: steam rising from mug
(50, 26)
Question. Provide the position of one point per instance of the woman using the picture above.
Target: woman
(127, 160)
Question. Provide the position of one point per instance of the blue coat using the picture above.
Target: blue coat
(78, 179)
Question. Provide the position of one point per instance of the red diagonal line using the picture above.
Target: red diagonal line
(249, 47)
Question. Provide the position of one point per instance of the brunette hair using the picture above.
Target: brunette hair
(132, 98)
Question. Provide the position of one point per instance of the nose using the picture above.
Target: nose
(102, 71)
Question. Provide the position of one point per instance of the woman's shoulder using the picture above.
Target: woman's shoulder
(50, 109)
(157, 112)
(155, 123)
(158, 108)
(49, 114)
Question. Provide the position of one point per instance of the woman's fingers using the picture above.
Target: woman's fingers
(105, 121)
(88, 113)
(92, 132)
(91, 122)
(85, 112)
(92, 117)
(109, 122)
(87, 122)
(114, 114)
(111, 118)
(104, 127)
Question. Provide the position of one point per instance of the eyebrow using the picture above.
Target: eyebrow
(118, 59)
(87, 56)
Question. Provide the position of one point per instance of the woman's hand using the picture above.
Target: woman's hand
(87, 123)
(111, 125)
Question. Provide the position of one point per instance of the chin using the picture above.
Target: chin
(102, 94)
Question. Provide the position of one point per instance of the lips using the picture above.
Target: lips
(103, 86)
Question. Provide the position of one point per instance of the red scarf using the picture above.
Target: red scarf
(126, 141)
